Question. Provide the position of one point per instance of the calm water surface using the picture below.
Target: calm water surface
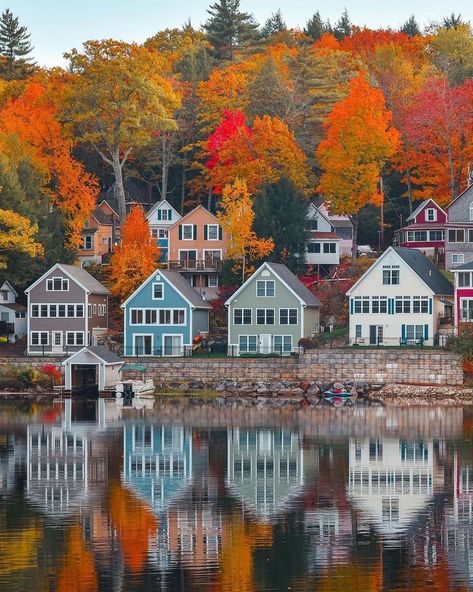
(94, 497)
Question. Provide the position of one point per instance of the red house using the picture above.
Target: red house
(424, 230)
(463, 294)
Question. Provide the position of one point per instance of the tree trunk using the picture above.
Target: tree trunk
(209, 200)
(165, 165)
(409, 190)
(354, 220)
(183, 187)
(119, 188)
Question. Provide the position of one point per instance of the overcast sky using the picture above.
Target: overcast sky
(58, 25)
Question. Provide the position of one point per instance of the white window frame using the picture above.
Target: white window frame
(172, 355)
(471, 211)
(87, 237)
(209, 226)
(442, 236)
(184, 226)
(284, 349)
(243, 316)
(458, 258)
(462, 316)
(289, 316)
(265, 288)
(135, 335)
(248, 350)
(214, 283)
(265, 316)
(75, 334)
(64, 282)
(39, 333)
(434, 212)
(162, 233)
(327, 248)
(49, 306)
(153, 296)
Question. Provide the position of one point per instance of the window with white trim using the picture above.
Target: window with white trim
(88, 242)
(288, 316)
(242, 316)
(187, 232)
(420, 304)
(358, 333)
(416, 236)
(212, 281)
(458, 258)
(464, 279)
(74, 338)
(431, 215)
(414, 331)
(212, 232)
(265, 288)
(53, 311)
(403, 304)
(391, 275)
(136, 316)
(57, 284)
(313, 247)
(466, 309)
(39, 338)
(247, 343)
(89, 310)
(471, 211)
(330, 248)
(282, 343)
(379, 304)
(437, 235)
(162, 233)
(158, 291)
(265, 316)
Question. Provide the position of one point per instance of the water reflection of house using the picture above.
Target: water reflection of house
(458, 538)
(265, 469)
(391, 481)
(157, 462)
(66, 464)
(12, 459)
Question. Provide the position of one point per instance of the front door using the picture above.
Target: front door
(172, 345)
(143, 345)
(265, 344)
(373, 335)
(56, 341)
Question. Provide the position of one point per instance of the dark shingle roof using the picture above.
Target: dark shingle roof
(417, 210)
(105, 354)
(85, 279)
(464, 267)
(295, 284)
(426, 270)
(185, 288)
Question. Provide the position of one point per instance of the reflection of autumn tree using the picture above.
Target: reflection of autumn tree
(353, 577)
(436, 578)
(78, 573)
(134, 523)
(18, 548)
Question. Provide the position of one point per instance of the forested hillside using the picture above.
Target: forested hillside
(255, 113)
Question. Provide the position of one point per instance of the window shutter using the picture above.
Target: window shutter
(206, 232)
(351, 305)
(159, 214)
(430, 305)
(219, 233)
(180, 231)
(195, 232)
(169, 214)
(403, 331)
(426, 332)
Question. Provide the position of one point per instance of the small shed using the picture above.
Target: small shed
(92, 369)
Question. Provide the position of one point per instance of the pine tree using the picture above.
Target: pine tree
(275, 24)
(228, 28)
(452, 22)
(315, 27)
(410, 27)
(343, 26)
(15, 48)
(269, 93)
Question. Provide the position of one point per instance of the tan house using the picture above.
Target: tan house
(100, 235)
(197, 246)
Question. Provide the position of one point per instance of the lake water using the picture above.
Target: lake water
(199, 498)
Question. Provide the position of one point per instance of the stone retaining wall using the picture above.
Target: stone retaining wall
(433, 367)
(373, 366)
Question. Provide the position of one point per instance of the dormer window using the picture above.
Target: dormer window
(431, 214)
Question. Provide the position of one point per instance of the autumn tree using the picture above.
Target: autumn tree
(17, 235)
(15, 48)
(228, 28)
(358, 142)
(259, 154)
(281, 213)
(118, 97)
(236, 217)
(136, 257)
(451, 51)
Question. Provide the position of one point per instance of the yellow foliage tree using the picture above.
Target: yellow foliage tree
(136, 257)
(17, 235)
(236, 217)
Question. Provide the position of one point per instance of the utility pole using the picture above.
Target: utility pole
(381, 190)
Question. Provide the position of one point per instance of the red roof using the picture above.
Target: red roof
(331, 235)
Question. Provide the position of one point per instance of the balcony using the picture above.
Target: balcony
(7, 328)
(195, 265)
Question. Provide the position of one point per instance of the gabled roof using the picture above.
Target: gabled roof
(181, 285)
(464, 267)
(470, 187)
(199, 207)
(4, 281)
(100, 352)
(286, 276)
(312, 206)
(421, 266)
(421, 206)
(157, 205)
(79, 275)
(14, 306)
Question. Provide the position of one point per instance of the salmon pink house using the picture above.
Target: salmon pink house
(425, 229)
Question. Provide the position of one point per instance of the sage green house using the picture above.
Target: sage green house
(271, 312)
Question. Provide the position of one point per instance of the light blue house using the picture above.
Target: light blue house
(163, 316)
(160, 217)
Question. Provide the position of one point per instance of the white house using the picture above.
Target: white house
(12, 314)
(160, 217)
(323, 247)
(401, 299)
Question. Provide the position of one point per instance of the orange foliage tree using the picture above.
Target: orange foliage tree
(30, 126)
(78, 573)
(258, 155)
(135, 258)
(236, 217)
(358, 141)
(135, 525)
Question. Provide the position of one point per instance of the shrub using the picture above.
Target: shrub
(307, 343)
(462, 343)
(53, 372)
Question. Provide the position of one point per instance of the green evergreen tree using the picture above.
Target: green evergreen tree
(411, 27)
(15, 48)
(342, 28)
(281, 213)
(275, 24)
(316, 27)
(453, 21)
(229, 29)
(269, 93)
